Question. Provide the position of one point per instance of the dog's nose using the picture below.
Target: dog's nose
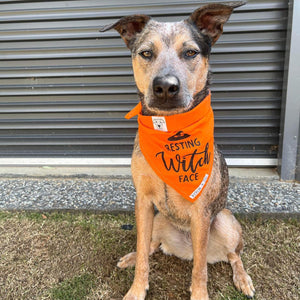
(166, 87)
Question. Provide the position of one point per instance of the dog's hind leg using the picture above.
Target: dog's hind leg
(226, 244)
(241, 279)
(172, 240)
(129, 259)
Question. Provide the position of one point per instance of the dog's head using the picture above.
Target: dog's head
(170, 60)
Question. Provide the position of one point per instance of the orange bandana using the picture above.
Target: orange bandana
(179, 148)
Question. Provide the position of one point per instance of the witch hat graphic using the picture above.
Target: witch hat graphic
(180, 135)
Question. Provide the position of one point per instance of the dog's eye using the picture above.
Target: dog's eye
(146, 54)
(190, 53)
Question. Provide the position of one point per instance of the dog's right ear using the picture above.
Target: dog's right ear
(128, 27)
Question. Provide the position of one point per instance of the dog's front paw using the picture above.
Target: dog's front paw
(136, 293)
(195, 297)
(198, 294)
(132, 296)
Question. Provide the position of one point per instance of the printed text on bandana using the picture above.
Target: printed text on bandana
(186, 165)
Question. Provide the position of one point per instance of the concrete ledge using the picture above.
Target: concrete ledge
(115, 172)
(256, 173)
(65, 171)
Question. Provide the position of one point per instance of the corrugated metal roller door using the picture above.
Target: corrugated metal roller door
(65, 87)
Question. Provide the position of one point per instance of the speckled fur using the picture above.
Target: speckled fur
(203, 230)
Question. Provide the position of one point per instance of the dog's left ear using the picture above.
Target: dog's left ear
(128, 27)
(209, 19)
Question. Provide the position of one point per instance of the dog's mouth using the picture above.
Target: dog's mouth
(167, 105)
(154, 107)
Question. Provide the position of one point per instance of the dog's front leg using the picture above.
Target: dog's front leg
(200, 223)
(144, 214)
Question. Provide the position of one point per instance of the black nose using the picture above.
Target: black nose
(166, 87)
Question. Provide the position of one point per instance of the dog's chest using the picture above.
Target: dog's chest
(150, 187)
(174, 207)
(170, 203)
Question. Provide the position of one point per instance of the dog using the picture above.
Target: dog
(171, 70)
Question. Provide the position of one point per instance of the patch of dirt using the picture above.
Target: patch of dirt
(39, 252)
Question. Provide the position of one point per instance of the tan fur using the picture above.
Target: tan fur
(142, 70)
(224, 238)
(200, 80)
(180, 225)
(195, 71)
(203, 230)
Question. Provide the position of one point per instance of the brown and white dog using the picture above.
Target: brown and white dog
(171, 70)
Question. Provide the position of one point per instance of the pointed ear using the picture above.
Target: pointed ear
(209, 19)
(128, 27)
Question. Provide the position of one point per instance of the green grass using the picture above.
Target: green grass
(70, 256)
(76, 288)
(230, 293)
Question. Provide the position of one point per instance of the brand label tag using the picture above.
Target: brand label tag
(159, 123)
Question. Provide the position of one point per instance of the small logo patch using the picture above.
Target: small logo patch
(159, 123)
(180, 135)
